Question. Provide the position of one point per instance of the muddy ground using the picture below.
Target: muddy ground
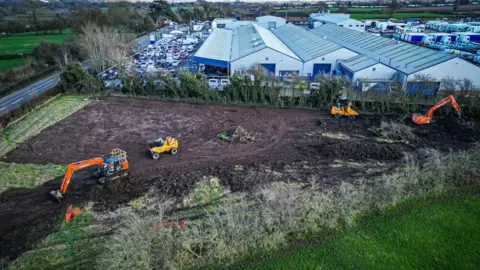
(290, 144)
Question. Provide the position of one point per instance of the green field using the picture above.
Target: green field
(440, 233)
(399, 16)
(24, 42)
(358, 9)
(11, 63)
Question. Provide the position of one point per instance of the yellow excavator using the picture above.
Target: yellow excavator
(158, 146)
(113, 167)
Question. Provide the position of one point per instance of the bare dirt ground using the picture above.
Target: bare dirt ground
(297, 144)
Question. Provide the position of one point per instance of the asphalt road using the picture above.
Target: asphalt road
(23, 95)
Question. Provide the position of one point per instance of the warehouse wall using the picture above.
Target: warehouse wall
(353, 24)
(329, 58)
(381, 72)
(454, 68)
(267, 56)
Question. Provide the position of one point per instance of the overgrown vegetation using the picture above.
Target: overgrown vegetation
(74, 246)
(27, 175)
(34, 122)
(275, 215)
(439, 232)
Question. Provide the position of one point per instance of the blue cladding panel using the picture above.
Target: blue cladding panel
(211, 62)
(269, 67)
(321, 68)
(380, 87)
(427, 88)
(345, 71)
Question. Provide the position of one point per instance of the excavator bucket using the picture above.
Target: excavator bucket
(56, 195)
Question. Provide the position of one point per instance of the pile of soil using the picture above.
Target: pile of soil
(237, 134)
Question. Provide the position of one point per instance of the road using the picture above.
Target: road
(23, 95)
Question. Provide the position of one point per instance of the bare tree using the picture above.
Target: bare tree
(64, 58)
(104, 46)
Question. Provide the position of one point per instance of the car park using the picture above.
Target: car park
(170, 54)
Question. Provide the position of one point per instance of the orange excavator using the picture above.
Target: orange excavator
(422, 119)
(113, 167)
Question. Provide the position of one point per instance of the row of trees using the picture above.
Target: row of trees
(121, 15)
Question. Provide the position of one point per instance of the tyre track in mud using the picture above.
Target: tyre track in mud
(28, 215)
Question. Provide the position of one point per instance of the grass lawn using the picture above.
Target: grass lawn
(28, 175)
(399, 16)
(7, 64)
(34, 122)
(439, 233)
(24, 42)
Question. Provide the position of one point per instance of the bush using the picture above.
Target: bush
(75, 80)
(269, 218)
(396, 131)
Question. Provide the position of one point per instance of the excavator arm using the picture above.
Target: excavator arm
(72, 167)
(425, 119)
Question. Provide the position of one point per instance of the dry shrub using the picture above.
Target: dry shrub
(396, 131)
(268, 218)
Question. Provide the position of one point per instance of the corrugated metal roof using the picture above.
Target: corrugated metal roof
(401, 56)
(246, 40)
(304, 43)
(252, 38)
(359, 62)
(217, 46)
(331, 19)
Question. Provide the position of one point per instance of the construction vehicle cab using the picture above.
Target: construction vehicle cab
(422, 119)
(113, 167)
(339, 110)
(159, 146)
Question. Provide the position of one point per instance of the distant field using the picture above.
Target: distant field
(308, 10)
(42, 14)
(399, 16)
(24, 42)
(358, 9)
(11, 63)
(440, 234)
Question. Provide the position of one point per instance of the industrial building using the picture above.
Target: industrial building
(363, 57)
(246, 46)
(317, 54)
(270, 22)
(338, 19)
(382, 55)
(253, 44)
(230, 24)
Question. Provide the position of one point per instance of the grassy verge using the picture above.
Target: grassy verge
(422, 234)
(27, 175)
(6, 65)
(74, 246)
(24, 42)
(34, 122)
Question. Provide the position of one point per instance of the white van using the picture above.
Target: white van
(213, 83)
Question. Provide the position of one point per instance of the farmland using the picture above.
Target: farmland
(6, 65)
(24, 42)
(297, 147)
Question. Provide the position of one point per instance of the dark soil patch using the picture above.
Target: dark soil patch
(283, 137)
(360, 150)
